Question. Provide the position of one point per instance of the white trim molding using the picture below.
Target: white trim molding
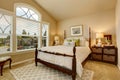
(20, 62)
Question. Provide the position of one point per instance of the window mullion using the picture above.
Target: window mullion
(14, 39)
(27, 19)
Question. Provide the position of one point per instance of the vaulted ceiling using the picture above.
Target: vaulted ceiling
(65, 9)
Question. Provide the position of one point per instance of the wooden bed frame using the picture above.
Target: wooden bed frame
(60, 68)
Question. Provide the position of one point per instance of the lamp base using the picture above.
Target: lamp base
(99, 44)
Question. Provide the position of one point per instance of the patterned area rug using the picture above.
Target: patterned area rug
(41, 72)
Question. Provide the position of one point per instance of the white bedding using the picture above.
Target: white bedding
(81, 55)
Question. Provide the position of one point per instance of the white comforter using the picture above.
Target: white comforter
(81, 55)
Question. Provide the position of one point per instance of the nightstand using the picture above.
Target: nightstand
(105, 54)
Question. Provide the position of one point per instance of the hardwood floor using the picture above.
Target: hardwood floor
(102, 71)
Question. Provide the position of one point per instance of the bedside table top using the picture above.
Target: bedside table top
(103, 46)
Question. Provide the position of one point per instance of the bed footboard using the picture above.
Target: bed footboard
(58, 67)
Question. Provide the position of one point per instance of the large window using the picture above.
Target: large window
(27, 28)
(5, 33)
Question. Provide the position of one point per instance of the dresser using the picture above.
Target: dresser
(105, 54)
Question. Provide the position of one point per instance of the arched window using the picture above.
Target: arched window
(27, 28)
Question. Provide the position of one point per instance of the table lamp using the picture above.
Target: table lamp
(56, 39)
(99, 37)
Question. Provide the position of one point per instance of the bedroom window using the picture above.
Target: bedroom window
(45, 29)
(5, 33)
(27, 28)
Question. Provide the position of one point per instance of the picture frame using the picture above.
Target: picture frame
(76, 30)
(108, 39)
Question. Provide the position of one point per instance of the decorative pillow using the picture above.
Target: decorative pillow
(72, 43)
(66, 43)
(69, 40)
(77, 42)
(69, 43)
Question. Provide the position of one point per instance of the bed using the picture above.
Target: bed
(66, 58)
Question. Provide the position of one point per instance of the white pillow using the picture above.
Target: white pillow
(67, 43)
(71, 43)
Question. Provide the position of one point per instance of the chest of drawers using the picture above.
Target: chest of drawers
(105, 54)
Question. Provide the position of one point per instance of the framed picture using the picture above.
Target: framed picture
(76, 30)
(108, 39)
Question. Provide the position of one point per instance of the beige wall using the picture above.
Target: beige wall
(118, 29)
(9, 5)
(99, 22)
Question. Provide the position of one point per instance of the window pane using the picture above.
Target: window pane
(45, 34)
(26, 42)
(5, 33)
(4, 43)
(44, 41)
(26, 27)
(44, 29)
(5, 24)
(27, 33)
(26, 13)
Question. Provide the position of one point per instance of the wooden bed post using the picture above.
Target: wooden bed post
(89, 37)
(36, 52)
(74, 65)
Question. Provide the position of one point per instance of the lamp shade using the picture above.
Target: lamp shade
(56, 38)
(99, 35)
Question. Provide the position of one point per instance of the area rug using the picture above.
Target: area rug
(41, 72)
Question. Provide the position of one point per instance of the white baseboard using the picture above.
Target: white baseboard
(16, 63)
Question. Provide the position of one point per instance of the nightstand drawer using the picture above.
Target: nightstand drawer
(109, 51)
(96, 57)
(108, 58)
(97, 50)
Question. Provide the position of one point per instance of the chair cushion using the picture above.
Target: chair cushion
(4, 58)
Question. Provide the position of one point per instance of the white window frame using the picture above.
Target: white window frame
(6, 12)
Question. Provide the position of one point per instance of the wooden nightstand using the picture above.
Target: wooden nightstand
(105, 54)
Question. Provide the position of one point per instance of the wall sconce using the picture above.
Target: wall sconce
(56, 40)
(99, 37)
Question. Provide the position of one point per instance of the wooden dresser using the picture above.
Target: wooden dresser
(104, 54)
